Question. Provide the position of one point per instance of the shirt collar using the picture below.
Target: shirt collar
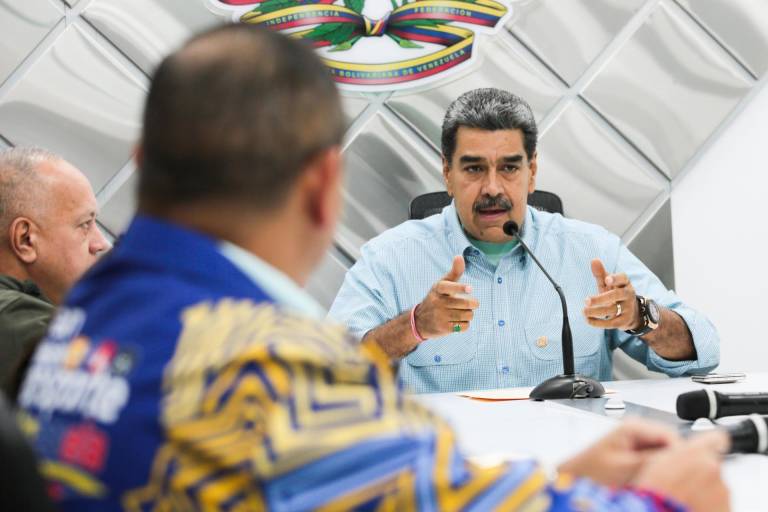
(459, 242)
(281, 288)
(457, 237)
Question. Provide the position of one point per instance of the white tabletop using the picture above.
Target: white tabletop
(551, 432)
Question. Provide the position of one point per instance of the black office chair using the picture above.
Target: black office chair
(21, 486)
(433, 202)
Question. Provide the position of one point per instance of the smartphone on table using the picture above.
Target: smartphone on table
(718, 378)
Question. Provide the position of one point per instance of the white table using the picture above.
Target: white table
(552, 432)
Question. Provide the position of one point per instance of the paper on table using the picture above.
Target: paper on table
(505, 394)
(499, 394)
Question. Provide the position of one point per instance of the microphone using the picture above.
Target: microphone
(749, 436)
(707, 403)
(568, 385)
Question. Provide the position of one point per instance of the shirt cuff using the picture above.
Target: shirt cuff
(705, 340)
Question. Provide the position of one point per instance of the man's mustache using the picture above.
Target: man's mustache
(487, 202)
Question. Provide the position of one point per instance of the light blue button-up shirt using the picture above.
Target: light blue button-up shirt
(514, 339)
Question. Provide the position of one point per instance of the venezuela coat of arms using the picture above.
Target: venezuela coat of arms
(379, 45)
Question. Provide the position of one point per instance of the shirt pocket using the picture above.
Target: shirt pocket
(451, 349)
(544, 340)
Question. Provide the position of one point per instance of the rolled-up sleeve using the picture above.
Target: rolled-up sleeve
(705, 337)
(364, 301)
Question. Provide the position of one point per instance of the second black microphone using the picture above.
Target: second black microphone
(707, 403)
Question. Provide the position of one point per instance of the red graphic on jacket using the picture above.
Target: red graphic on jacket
(84, 445)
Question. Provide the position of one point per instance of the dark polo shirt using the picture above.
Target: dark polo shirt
(24, 316)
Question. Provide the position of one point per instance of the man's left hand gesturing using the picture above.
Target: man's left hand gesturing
(615, 305)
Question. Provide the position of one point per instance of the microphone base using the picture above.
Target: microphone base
(568, 386)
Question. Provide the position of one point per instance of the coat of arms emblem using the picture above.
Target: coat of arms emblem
(379, 45)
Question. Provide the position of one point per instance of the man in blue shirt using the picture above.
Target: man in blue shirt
(493, 320)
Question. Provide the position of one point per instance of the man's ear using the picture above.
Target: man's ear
(23, 239)
(324, 182)
(446, 170)
(534, 167)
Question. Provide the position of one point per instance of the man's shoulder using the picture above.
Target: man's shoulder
(16, 302)
(132, 274)
(125, 280)
(236, 331)
(23, 319)
(570, 230)
(410, 232)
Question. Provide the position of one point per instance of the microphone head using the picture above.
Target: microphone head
(693, 405)
(510, 228)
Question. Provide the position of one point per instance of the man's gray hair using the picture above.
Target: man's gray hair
(17, 179)
(488, 109)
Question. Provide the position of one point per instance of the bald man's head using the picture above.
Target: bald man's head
(233, 117)
(19, 181)
(47, 220)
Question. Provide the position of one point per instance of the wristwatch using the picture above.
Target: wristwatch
(651, 315)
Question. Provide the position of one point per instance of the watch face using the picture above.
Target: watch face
(653, 312)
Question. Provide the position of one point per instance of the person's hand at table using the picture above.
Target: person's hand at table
(448, 307)
(615, 305)
(689, 473)
(616, 459)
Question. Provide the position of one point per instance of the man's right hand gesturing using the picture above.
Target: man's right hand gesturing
(448, 307)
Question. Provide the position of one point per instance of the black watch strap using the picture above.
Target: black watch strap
(647, 326)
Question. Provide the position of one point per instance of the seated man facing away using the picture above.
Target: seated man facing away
(493, 320)
(48, 239)
(189, 370)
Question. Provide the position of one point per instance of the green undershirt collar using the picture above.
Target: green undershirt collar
(493, 251)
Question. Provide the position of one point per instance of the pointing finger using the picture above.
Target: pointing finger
(598, 270)
(457, 269)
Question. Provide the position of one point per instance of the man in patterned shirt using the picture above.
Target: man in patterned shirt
(189, 371)
(461, 306)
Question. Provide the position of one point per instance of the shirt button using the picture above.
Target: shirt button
(499, 280)
(505, 369)
(438, 358)
(501, 323)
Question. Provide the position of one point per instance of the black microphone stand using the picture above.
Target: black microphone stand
(569, 384)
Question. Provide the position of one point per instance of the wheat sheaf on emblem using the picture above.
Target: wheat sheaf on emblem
(338, 25)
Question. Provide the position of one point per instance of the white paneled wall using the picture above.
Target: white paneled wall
(720, 226)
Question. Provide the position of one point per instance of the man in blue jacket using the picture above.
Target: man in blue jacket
(189, 370)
